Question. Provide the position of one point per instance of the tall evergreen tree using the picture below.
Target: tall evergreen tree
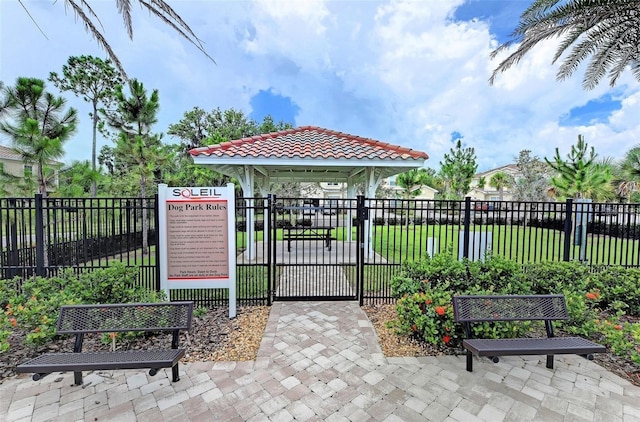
(412, 182)
(137, 148)
(94, 80)
(457, 170)
(580, 176)
(38, 125)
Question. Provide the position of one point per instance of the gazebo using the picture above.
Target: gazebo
(307, 154)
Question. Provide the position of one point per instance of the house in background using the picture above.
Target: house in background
(11, 162)
(488, 192)
(426, 192)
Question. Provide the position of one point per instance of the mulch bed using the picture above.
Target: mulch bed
(214, 337)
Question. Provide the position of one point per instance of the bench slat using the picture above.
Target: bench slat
(509, 308)
(161, 316)
(87, 361)
(532, 346)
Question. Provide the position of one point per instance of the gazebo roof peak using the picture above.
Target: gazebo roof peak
(310, 142)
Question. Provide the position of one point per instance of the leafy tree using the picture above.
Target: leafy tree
(38, 126)
(159, 8)
(500, 180)
(94, 80)
(606, 31)
(532, 182)
(411, 182)
(198, 128)
(137, 149)
(457, 170)
(580, 176)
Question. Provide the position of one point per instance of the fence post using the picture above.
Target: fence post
(271, 245)
(13, 255)
(156, 222)
(467, 226)
(361, 215)
(40, 238)
(568, 223)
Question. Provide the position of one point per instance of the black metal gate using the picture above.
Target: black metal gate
(314, 249)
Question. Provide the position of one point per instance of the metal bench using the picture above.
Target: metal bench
(110, 318)
(547, 308)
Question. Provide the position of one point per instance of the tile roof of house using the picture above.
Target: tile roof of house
(7, 153)
(309, 142)
(509, 168)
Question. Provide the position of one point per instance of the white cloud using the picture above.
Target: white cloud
(402, 72)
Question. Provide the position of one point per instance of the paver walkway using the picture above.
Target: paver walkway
(321, 361)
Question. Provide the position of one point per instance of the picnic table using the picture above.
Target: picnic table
(294, 233)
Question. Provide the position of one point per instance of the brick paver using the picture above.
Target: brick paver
(321, 361)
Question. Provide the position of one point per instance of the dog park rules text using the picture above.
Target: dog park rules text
(197, 239)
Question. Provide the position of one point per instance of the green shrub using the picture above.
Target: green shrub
(424, 291)
(553, 277)
(617, 286)
(34, 310)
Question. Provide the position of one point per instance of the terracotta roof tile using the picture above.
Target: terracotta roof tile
(309, 142)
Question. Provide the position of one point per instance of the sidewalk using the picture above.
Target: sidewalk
(321, 361)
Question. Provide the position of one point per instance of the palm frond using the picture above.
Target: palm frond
(607, 31)
(164, 12)
(124, 8)
(95, 32)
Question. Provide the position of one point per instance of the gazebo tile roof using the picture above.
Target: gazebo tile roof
(309, 142)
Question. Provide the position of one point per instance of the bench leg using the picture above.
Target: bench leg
(77, 378)
(469, 361)
(550, 361)
(174, 370)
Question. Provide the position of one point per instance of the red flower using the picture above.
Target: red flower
(618, 327)
(593, 295)
(446, 339)
(440, 310)
(13, 322)
(428, 301)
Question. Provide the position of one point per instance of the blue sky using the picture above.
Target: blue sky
(411, 73)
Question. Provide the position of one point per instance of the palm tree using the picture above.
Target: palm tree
(482, 182)
(500, 180)
(606, 31)
(159, 8)
(630, 173)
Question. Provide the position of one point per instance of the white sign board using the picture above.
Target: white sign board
(198, 239)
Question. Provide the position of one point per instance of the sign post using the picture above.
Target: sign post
(198, 239)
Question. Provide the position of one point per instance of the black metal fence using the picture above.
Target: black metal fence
(43, 236)
(593, 233)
